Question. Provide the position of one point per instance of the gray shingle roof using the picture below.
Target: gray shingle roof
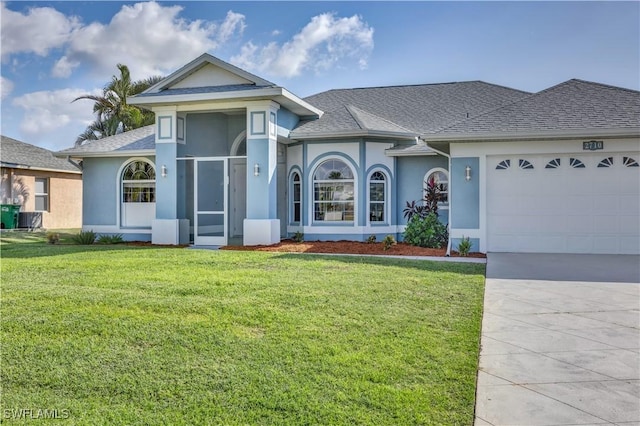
(572, 105)
(205, 89)
(134, 140)
(419, 109)
(14, 153)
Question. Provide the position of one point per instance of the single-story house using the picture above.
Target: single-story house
(47, 188)
(234, 158)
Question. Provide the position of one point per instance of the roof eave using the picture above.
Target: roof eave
(396, 153)
(97, 154)
(351, 134)
(549, 134)
(42, 169)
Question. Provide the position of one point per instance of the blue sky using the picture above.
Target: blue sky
(53, 52)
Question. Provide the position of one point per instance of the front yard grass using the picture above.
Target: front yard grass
(141, 335)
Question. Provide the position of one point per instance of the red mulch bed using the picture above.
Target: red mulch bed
(348, 247)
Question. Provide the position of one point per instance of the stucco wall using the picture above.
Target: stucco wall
(410, 182)
(65, 195)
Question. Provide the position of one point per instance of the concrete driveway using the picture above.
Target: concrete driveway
(560, 340)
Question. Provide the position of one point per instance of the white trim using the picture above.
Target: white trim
(242, 136)
(424, 185)
(43, 169)
(119, 185)
(462, 232)
(311, 189)
(482, 202)
(387, 197)
(137, 153)
(349, 230)
(480, 137)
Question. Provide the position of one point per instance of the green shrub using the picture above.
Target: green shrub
(388, 242)
(84, 237)
(464, 246)
(110, 239)
(53, 237)
(371, 239)
(298, 237)
(426, 231)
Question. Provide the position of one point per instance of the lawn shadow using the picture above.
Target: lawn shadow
(25, 250)
(423, 265)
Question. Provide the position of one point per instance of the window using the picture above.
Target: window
(503, 165)
(139, 183)
(42, 194)
(333, 192)
(440, 178)
(296, 202)
(525, 164)
(553, 164)
(377, 197)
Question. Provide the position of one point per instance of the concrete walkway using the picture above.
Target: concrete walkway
(560, 341)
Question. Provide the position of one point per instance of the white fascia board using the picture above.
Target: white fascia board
(40, 169)
(80, 155)
(391, 153)
(203, 97)
(543, 134)
(304, 104)
(353, 133)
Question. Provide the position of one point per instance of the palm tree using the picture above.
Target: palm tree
(113, 114)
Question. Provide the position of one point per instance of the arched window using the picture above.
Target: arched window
(377, 197)
(440, 178)
(138, 194)
(139, 183)
(296, 199)
(333, 192)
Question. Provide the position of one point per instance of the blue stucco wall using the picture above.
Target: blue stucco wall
(410, 180)
(207, 135)
(286, 121)
(100, 183)
(166, 194)
(465, 195)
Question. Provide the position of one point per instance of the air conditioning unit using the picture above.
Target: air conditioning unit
(30, 220)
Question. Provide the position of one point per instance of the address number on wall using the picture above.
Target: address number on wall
(592, 145)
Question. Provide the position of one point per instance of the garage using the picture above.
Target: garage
(569, 203)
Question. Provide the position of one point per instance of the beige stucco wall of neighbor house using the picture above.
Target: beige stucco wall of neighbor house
(65, 195)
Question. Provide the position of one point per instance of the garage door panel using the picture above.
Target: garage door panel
(588, 209)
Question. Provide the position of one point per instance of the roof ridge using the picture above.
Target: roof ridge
(610, 86)
(350, 107)
(393, 86)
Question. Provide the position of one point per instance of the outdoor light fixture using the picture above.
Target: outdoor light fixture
(467, 173)
(256, 169)
(163, 171)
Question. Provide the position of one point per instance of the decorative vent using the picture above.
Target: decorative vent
(606, 162)
(553, 164)
(629, 162)
(524, 164)
(576, 164)
(503, 165)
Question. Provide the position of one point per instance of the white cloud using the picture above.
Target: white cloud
(48, 114)
(63, 67)
(6, 86)
(149, 38)
(321, 44)
(38, 31)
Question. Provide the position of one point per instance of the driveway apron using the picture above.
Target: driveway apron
(560, 340)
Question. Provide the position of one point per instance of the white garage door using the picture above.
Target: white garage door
(582, 203)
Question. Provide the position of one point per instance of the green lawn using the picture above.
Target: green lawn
(140, 335)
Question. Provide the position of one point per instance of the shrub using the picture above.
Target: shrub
(110, 239)
(53, 237)
(298, 237)
(371, 239)
(426, 232)
(84, 237)
(464, 246)
(388, 242)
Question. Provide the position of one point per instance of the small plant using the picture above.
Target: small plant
(84, 237)
(388, 242)
(110, 239)
(53, 237)
(426, 232)
(298, 237)
(464, 246)
(371, 239)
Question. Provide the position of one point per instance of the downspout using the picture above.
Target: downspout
(448, 253)
(77, 165)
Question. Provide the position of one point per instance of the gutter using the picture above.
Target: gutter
(78, 165)
(448, 253)
(632, 132)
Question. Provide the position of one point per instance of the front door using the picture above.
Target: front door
(210, 215)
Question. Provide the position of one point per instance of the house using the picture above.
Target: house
(48, 189)
(236, 159)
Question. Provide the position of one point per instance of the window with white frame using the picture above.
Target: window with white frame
(439, 178)
(139, 183)
(333, 192)
(296, 198)
(42, 194)
(377, 197)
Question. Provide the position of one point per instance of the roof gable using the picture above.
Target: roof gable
(207, 71)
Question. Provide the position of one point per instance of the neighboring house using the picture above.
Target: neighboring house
(42, 183)
(235, 158)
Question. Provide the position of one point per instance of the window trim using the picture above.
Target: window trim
(45, 194)
(385, 202)
(312, 183)
(441, 205)
(292, 201)
(124, 181)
